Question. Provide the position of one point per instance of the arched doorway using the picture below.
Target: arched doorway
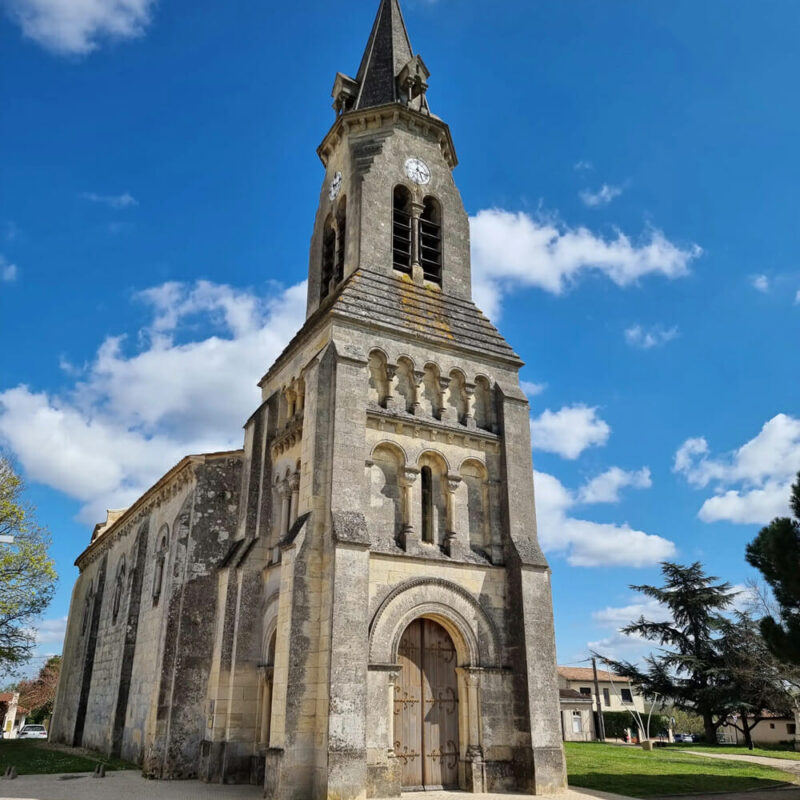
(426, 708)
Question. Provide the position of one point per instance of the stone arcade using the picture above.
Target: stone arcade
(356, 602)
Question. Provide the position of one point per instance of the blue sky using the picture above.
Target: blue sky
(631, 171)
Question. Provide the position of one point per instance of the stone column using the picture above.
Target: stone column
(294, 487)
(448, 413)
(409, 537)
(383, 769)
(284, 492)
(419, 388)
(456, 542)
(495, 523)
(391, 388)
(417, 273)
(469, 419)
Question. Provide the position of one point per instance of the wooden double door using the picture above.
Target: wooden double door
(426, 708)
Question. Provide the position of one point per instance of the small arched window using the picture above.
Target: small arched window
(328, 257)
(426, 476)
(341, 231)
(401, 230)
(87, 606)
(430, 240)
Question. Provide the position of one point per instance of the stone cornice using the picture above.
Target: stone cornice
(431, 429)
(355, 122)
(158, 494)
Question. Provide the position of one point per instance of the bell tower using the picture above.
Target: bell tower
(386, 623)
(388, 200)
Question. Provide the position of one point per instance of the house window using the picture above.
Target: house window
(430, 240)
(586, 691)
(401, 230)
(606, 697)
(627, 695)
(577, 722)
(791, 729)
(328, 257)
(426, 477)
(772, 726)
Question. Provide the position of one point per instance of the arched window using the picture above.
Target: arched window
(87, 605)
(328, 257)
(426, 476)
(161, 557)
(401, 230)
(430, 240)
(119, 587)
(341, 231)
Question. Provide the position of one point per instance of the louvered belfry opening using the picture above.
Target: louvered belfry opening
(341, 226)
(401, 230)
(430, 240)
(328, 258)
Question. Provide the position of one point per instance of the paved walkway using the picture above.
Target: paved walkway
(786, 764)
(131, 786)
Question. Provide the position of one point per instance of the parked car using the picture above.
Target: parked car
(684, 738)
(33, 732)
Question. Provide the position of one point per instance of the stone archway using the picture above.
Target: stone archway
(426, 712)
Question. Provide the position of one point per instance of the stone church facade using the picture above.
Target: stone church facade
(355, 603)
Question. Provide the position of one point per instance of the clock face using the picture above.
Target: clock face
(418, 171)
(336, 186)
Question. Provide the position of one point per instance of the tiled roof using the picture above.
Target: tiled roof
(587, 674)
(396, 302)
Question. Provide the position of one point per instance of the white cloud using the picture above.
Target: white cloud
(648, 338)
(602, 197)
(134, 415)
(124, 200)
(532, 389)
(752, 484)
(8, 272)
(605, 488)
(570, 431)
(51, 631)
(516, 249)
(797, 298)
(760, 283)
(591, 544)
(582, 166)
(76, 27)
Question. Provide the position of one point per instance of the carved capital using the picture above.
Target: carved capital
(453, 482)
(410, 475)
(294, 482)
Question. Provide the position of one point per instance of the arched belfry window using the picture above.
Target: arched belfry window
(328, 257)
(430, 240)
(341, 240)
(426, 476)
(401, 230)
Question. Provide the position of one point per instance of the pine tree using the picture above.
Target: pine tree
(688, 670)
(776, 554)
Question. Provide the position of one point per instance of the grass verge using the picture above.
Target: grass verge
(664, 771)
(32, 757)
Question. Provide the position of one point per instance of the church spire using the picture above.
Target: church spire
(389, 71)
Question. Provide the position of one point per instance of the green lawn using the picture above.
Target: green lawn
(721, 749)
(32, 757)
(664, 771)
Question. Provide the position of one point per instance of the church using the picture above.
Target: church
(355, 603)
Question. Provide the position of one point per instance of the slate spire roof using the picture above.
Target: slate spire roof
(388, 51)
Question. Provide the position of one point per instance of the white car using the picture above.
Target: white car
(33, 732)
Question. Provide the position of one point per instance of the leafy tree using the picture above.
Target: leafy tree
(776, 554)
(27, 573)
(39, 694)
(688, 670)
(685, 721)
(757, 681)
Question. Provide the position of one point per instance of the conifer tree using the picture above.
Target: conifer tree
(776, 554)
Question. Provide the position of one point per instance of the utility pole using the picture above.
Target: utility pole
(601, 725)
